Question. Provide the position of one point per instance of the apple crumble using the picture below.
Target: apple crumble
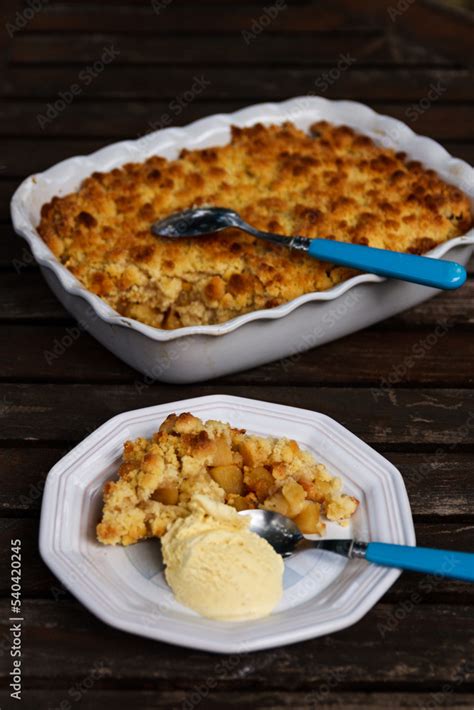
(331, 182)
(160, 477)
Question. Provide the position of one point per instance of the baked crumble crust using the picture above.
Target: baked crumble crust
(159, 477)
(333, 182)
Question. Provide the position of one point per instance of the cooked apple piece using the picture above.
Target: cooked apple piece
(308, 519)
(280, 471)
(166, 494)
(223, 453)
(277, 503)
(248, 502)
(259, 480)
(294, 446)
(295, 496)
(255, 451)
(237, 459)
(230, 478)
(248, 451)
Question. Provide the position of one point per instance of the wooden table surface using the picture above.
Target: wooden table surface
(410, 60)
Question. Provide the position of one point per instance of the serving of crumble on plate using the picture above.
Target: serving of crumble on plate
(125, 585)
(160, 475)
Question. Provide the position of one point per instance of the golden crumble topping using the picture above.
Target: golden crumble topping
(159, 477)
(332, 182)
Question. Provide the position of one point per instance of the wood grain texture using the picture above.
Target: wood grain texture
(438, 355)
(397, 651)
(441, 420)
(96, 118)
(212, 699)
(182, 18)
(151, 82)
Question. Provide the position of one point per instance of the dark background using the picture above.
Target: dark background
(410, 60)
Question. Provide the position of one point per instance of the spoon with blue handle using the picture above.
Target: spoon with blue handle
(286, 539)
(436, 273)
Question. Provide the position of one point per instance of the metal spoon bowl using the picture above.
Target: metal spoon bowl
(436, 273)
(286, 538)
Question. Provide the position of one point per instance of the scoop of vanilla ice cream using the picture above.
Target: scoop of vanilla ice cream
(217, 567)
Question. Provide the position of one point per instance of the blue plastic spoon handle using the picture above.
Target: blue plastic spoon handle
(446, 563)
(408, 267)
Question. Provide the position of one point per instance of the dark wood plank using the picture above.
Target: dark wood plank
(441, 356)
(210, 699)
(42, 352)
(94, 118)
(438, 356)
(119, 4)
(181, 17)
(437, 485)
(14, 254)
(23, 156)
(23, 473)
(36, 577)
(455, 307)
(429, 646)
(24, 295)
(441, 26)
(440, 419)
(7, 188)
(262, 83)
(209, 48)
(150, 82)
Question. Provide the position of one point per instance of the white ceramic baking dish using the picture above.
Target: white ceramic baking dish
(205, 351)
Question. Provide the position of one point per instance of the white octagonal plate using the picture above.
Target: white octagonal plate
(125, 587)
